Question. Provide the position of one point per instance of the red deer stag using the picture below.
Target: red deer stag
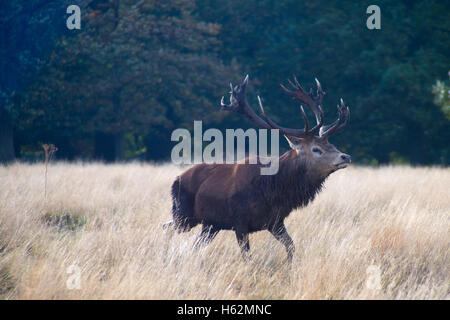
(237, 197)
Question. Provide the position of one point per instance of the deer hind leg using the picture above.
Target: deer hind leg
(280, 233)
(244, 243)
(205, 237)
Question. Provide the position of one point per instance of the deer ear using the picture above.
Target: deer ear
(294, 143)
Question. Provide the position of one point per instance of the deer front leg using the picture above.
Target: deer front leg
(280, 233)
(207, 235)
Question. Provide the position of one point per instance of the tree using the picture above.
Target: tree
(137, 67)
(385, 75)
(25, 39)
(441, 92)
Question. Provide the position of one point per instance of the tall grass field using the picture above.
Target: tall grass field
(372, 233)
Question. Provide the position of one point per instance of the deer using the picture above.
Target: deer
(235, 196)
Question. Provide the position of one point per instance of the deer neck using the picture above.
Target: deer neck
(293, 186)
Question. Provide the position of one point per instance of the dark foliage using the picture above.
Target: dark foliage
(137, 70)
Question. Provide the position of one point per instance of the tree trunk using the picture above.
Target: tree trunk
(6, 138)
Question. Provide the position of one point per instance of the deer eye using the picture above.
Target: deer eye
(317, 150)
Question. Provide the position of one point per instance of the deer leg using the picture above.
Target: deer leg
(280, 233)
(205, 237)
(244, 243)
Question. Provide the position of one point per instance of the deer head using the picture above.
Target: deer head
(310, 144)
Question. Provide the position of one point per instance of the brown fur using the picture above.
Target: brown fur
(237, 197)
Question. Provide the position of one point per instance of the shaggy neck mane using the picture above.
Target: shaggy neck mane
(292, 187)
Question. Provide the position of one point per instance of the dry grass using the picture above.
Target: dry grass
(107, 221)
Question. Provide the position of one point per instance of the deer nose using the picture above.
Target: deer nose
(346, 158)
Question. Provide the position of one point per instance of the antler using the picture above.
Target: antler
(339, 124)
(314, 102)
(238, 103)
